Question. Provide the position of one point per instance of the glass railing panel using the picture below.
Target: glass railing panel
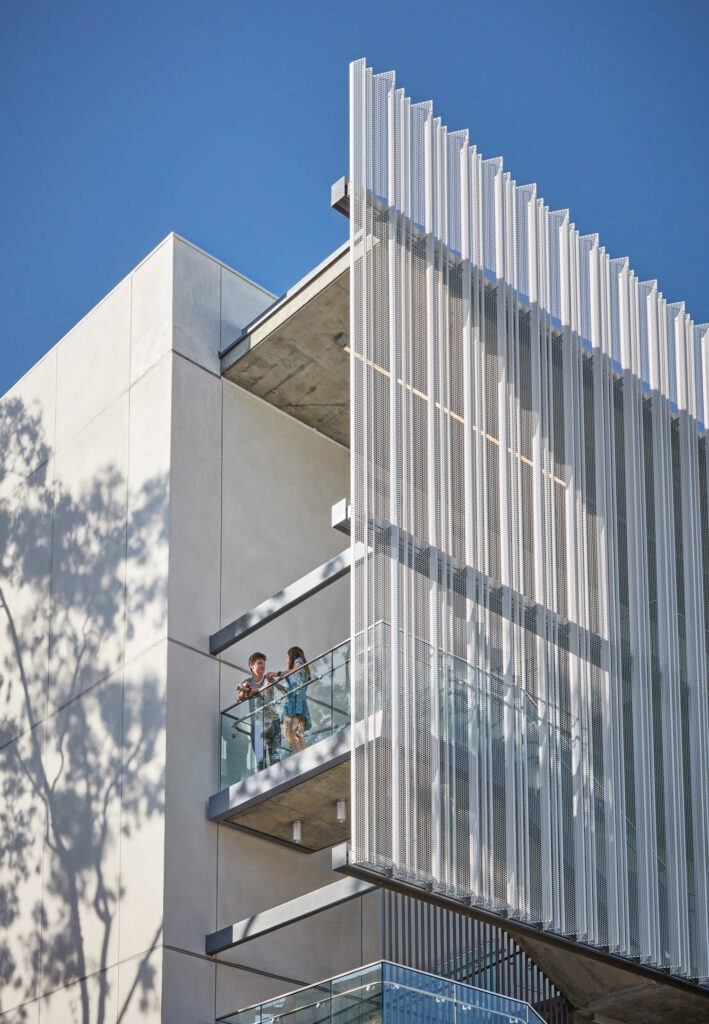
(421, 998)
(357, 997)
(314, 1013)
(255, 732)
(515, 1009)
(358, 982)
(387, 993)
(236, 748)
(284, 1007)
(412, 997)
(363, 1006)
(328, 693)
(341, 681)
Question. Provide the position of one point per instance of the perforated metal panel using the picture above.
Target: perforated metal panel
(530, 593)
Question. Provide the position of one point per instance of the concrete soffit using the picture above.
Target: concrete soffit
(601, 986)
(294, 354)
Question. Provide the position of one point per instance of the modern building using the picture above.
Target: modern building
(462, 464)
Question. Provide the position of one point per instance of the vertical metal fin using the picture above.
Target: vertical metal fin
(530, 541)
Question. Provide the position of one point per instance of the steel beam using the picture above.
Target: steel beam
(340, 196)
(342, 516)
(287, 913)
(293, 595)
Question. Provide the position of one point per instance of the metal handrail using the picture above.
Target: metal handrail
(301, 668)
(506, 1016)
(324, 988)
(303, 686)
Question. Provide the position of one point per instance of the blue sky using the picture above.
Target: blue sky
(226, 121)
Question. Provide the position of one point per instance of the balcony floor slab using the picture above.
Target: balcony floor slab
(304, 787)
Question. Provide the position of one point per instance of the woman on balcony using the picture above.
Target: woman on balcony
(296, 716)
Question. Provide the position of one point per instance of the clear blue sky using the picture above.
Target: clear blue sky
(226, 121)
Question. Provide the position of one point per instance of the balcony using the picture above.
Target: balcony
(252, 733)
(385, 993)
(266, 785)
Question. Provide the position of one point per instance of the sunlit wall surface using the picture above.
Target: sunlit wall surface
(531, 539)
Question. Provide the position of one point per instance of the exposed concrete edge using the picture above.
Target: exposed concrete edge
(279, 778)
(268, 838)
(340, 196)
(286, 306)
(341, 516)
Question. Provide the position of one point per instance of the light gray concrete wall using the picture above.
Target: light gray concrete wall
(84, 530)
(144, 503)
(251, 492)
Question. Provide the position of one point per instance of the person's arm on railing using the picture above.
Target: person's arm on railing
(272, 680)
(269, 687)
(296, 672)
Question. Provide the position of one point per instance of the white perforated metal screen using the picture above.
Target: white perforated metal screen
(530, 592)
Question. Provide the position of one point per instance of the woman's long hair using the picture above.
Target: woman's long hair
(292, 654)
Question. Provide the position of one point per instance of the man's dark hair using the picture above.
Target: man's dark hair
(255, 657)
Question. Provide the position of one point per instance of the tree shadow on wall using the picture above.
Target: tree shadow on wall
(81, 734)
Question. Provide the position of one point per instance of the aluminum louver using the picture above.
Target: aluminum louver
(530, 586)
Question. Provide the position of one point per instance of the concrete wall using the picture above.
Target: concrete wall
(84, 502)
(250, 499)
(144, 502)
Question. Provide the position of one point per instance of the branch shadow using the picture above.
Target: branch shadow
(84, 771)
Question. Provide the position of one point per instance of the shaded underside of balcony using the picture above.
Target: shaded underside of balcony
(305, 787)
(272, 776)
(293, 354)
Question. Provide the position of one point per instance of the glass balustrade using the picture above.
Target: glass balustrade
(386, 993)
(254, 731)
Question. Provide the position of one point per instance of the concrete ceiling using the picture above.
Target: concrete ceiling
(289, 355)
(313, 802)
(605, 992)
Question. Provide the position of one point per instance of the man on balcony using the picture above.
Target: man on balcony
(265, 718)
